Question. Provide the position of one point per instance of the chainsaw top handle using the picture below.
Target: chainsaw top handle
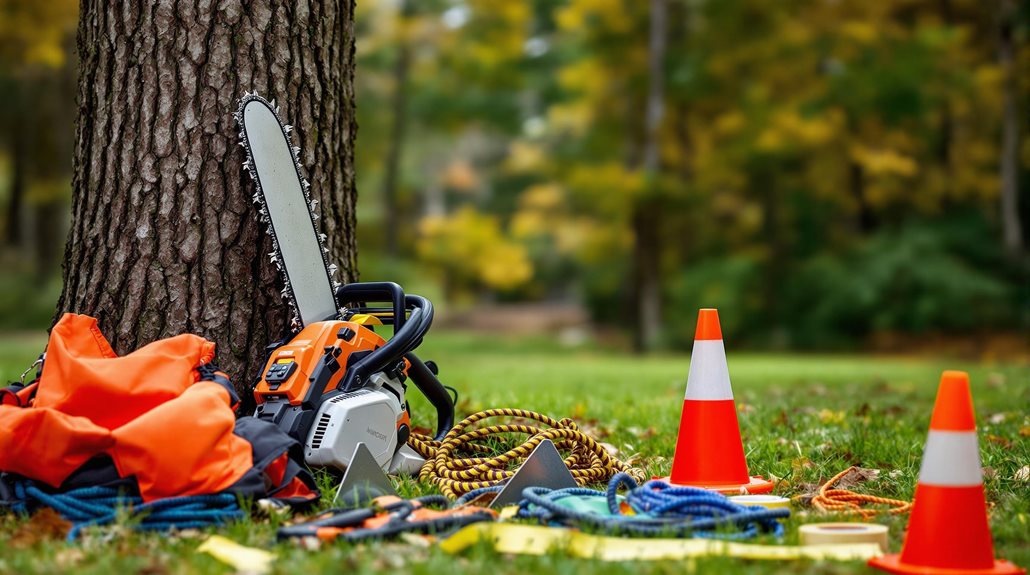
(365, 292)
(407, 336)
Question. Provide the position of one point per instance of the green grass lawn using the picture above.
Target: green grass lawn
(803, 419)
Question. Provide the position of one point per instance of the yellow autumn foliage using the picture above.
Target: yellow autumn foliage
(472, 248)
(36, 32)
(884, 162)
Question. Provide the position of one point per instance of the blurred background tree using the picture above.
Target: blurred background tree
(831, 174)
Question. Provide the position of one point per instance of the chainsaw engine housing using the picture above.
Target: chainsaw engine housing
(373, 415)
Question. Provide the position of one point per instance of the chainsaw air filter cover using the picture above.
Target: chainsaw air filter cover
(369, 416)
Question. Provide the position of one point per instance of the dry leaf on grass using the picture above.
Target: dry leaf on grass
(1023, 474)
(857, 476)
(996, 418)
(853, 478)
(68, 559)
(45, 525)
(611, 449)
(999, 440)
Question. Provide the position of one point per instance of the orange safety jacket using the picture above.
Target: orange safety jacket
(161, 415)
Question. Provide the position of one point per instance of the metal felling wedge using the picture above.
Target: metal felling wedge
(543, 468)
(363, 481)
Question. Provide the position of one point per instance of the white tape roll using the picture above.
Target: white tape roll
(768, 501)
(822, 533)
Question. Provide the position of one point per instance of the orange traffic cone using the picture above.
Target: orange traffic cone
(948, 531)
(709, 452)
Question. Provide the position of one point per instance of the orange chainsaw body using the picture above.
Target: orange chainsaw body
(290, 367)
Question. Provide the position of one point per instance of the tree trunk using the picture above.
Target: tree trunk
(1012, 229)
(647, 213)
(865, 220)
(164, 238)
(19, 167)
(399, 107)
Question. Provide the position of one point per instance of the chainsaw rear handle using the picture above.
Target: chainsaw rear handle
(407, 336)
(426, 382)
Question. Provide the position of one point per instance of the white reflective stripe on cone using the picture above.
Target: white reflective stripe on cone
(951, 459)
(709, 379)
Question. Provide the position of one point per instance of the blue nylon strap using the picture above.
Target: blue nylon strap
(659, 510)
(100, 505)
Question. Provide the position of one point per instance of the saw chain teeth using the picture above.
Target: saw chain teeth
(258, 199)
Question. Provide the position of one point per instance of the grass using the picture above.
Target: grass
(803, 419)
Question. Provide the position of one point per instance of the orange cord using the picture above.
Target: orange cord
(849, 502)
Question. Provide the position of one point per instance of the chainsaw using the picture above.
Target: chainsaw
(335, 382)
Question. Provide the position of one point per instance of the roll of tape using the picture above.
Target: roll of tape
(821, 533)
(769, 501)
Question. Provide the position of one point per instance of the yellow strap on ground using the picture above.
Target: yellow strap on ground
(538, 540)
(468, 458)
(244, 559)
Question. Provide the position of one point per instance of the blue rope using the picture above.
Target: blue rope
(660, 510)
(89, 506)
(471, 495)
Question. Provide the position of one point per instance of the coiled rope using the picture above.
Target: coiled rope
(850, 503)
(89, 506)
(659, 509)
(462, 462)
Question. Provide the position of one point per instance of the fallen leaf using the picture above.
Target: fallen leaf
(68, 559)
(243, 558)
(1024, 431)
(997, 418)
(801, 463)
(1023, 474)
(830, 416)
(45, 525)
(611, 449)
(857, 476)
(989, 473)
(998, 440)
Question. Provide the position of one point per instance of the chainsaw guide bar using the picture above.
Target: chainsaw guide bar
(285, 205)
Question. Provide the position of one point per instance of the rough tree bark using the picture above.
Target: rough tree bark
(164, 238)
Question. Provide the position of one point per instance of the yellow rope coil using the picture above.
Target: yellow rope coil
(850, 503)
(462, 462)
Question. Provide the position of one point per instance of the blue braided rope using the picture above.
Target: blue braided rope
(89, 506)
(471, 495)
(660, 510)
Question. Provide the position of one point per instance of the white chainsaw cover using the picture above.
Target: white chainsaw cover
(365, 416)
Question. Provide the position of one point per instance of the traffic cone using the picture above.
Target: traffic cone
(709, 452)
(948, 531)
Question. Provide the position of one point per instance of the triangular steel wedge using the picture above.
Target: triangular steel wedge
(363, 481)
(543, 468)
